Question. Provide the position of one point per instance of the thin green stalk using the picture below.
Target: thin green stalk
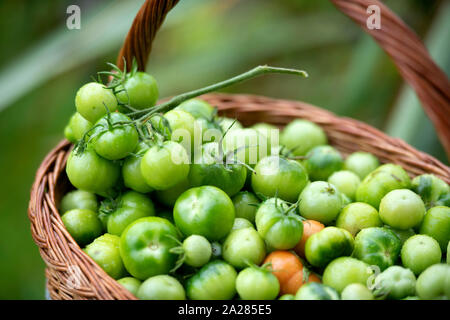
(175, 101)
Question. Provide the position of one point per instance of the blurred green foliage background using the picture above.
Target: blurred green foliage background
(42, 64)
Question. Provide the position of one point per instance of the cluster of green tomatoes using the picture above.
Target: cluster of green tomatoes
(223, 211)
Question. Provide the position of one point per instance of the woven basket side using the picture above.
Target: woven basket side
(71, 274)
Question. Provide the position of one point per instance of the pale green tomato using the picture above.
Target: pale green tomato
(243, 246)
(434, 282)
(300, 136)
(257, 284)
(165, 166)
(356, 291)
(395, 283)
(250, 146)
(228, 124)
(79, 125)
(402, 209)
(197, 108)
(271, 132)
(361, 163)
(92, 99)
(320, 201)
(197, 250)
(131, 284)
(357, 216)
(379, 182)
(182, 125)
(346, 182)
(436, 224)
(419, 252)
(161, 287)
(241, 223)
(106, 253)
(344, 271)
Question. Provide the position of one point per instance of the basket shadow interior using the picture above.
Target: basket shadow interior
(71, 274)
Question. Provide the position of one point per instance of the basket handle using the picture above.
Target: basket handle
(395, 37)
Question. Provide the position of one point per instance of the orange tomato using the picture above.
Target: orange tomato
(289, 271)
(309, 228)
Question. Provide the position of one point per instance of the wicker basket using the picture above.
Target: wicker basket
(71, 274)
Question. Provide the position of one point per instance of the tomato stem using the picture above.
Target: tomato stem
(175, 101)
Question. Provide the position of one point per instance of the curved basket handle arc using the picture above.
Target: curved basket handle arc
(395, 37)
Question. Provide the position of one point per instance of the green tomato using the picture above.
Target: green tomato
(245, 205)
(320, 201)
(197, 250)
(271, 132)
(129, 207)
(208, 170)
(165, 166)
(228, 124)
(140, 91)
(300, 136)
(197, 108)
(346, 182)
(243, 246)
(169, 196)
(92, 99)
(105, 252)
(83, 225)
(402, 209)
(356, 291)
(206, 211)
(322, 161)
(361, 163)
(131, 284)
(328, 244)
(356, 216)
(377, 246)
(131, 170)
(344, 271)
(241, 223)
(161, 287)
(436, 224)
(316, 291)
(90, 172)
(434, 191)
(249, 145)
(145, 247)
(278, 225)
(419, 252)
(395, 283)
(78, 199)
(69, 135)
(257, 284)
(114, 137)
(280, 177)
(214, 281)
(381, 181)
(78, 126)
(434, 282)
(182, 125)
